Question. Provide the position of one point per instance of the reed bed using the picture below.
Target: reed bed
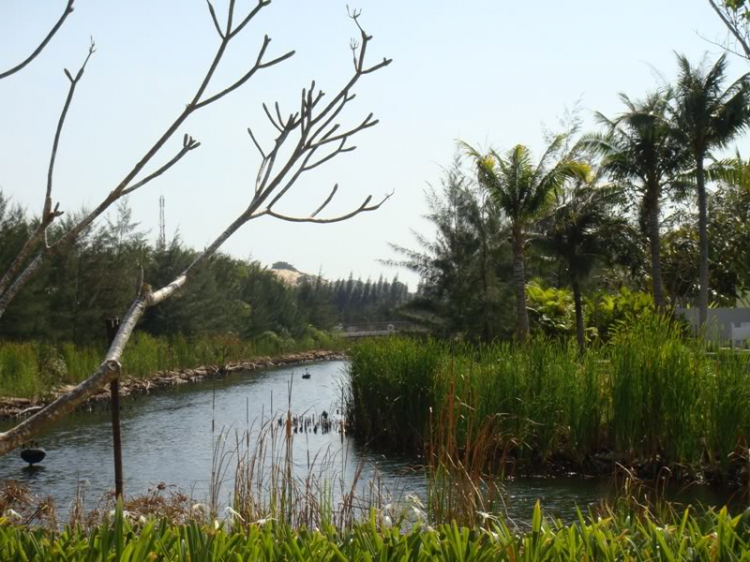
(33, 369)
(651, 398)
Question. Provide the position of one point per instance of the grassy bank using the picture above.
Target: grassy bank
(652, 397)
(32, 369)
(715, 536)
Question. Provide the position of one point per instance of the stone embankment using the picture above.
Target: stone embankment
(14, 408)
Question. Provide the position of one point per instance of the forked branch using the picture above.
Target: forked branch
(48, 213)
(15, 278)
(267, 182)
(365, 207)
(737, 25)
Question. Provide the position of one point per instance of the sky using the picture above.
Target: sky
(493, 73)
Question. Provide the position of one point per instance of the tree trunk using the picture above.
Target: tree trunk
(655, 246)
(519, 282)
(486, 291)
(579, 314)
(703, 241)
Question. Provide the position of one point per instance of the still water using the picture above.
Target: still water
(169, 438)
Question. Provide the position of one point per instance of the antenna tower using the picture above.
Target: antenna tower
(162, 243)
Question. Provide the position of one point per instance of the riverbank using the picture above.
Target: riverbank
(34, 369)
(15, 408)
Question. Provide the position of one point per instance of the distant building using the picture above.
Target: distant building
(726, 326)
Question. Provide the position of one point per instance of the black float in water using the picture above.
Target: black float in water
(33, 456)
(307, 374)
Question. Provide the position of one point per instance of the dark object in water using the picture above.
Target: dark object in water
(33, 456)
(307, 375)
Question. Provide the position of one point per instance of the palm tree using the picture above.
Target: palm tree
(640, 152)
(522, 190)
(577, 232)
(705, 116)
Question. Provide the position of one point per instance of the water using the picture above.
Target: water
(168, 438)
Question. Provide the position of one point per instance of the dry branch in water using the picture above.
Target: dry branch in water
(309, 137)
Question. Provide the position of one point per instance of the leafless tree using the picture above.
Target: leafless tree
(306, 138)
(736, 17)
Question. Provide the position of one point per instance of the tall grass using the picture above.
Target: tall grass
(33, 369)
(652, 395)
(392, 390)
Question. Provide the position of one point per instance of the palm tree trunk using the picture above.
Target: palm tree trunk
(579, 313)
(519, 282)
(655, 243)
(703, 241)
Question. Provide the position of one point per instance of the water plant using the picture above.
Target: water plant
(652, 397)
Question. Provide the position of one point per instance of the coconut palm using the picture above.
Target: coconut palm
(523, 190)
(577, 232)
(640, 153)
(706, 115)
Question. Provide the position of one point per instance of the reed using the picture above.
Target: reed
(652, 397)
(34, 369)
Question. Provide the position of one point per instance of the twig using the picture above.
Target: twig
(188, 144)
(732, 27)
(68, 10)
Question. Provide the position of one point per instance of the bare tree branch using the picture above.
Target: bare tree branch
(363, 208)
(259, 64)
(48, 214)
(733, 25)
(60, 124)
(261, 4)
(43, 44)
(215, 20)
(279, 125)
(328, 200)
(188, 144)
(266, 185)
(255, 142)
(125, 186)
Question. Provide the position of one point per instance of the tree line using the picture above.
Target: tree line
(75, 291)
(623, 209)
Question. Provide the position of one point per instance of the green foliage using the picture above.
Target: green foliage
(651, 391)
(465, 272)
(35, 369)
(551, 310)
(77, 290)
(612, 535)
(608, 312)
(392, 388)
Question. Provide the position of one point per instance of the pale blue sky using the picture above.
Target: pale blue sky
(488, 72)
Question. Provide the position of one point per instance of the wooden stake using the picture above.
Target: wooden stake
(113, 325)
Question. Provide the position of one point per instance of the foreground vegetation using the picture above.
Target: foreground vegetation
(34, 369)
(652, 398)
(614, 536)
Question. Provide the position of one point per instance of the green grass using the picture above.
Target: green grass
(611, 536)
(651, 395)
(33, 369)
